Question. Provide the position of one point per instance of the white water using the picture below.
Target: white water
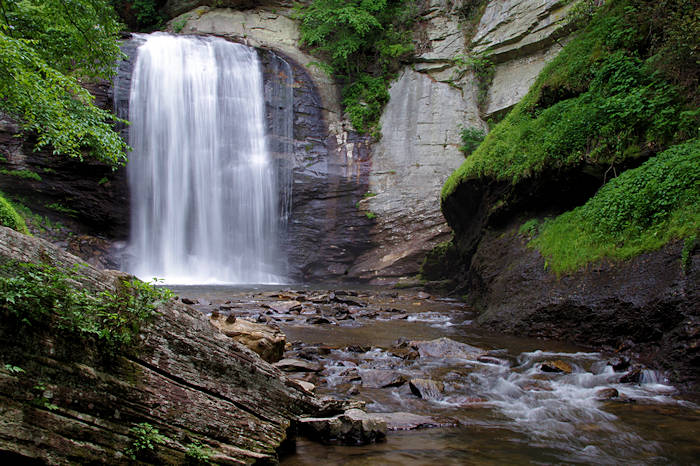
(204, 190)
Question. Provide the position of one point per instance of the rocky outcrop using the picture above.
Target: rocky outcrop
(418, 150)
(647, 306)
(519, 37)
(87, 196)
(70, 404)
(430, 103)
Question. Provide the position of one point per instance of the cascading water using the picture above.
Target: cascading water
(204, 188)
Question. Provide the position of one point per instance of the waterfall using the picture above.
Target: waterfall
(206, 206)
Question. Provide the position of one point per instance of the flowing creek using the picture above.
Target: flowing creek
(478, 398)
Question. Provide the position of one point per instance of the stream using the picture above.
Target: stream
(458, 394)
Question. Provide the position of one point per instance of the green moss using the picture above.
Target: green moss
(10, 218)
(598, 102)
(639, 211)
(23, 174)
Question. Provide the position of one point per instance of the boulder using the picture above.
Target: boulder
(353, 427)
(410, 421)
(265, 340)
(427, 389)
(377, 378)
(297, 365)
(558, 366)
(446, 348)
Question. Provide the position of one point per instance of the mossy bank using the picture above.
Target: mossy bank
(577, 216)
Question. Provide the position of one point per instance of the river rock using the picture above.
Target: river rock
(556, 366)
(297, 365)
(619, 364)
(446, 348)
(284, 307)
(353, 427)
(426, 388)
(267, 341)
(410, 421)
(633, 376)
(607, 394)
(377, 378)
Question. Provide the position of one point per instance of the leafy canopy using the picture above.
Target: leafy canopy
(47, 48)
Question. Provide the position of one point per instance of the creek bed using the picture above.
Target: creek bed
(496, 399)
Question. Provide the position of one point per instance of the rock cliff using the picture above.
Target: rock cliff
(432, 101)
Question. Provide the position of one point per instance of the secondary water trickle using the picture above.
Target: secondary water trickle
(204, 187)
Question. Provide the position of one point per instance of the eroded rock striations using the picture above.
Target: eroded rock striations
(185, 378)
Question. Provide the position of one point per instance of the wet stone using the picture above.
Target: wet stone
(607, 394)
(557, 366)
(297, 365)
(377, 378)
(410, 421)
(426, 388)
(633, 376)
(353, 427)
(492, 360)
(619, 364)
(284, 307)
(446, 348)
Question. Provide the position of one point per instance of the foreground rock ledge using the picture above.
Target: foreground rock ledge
(187, 379)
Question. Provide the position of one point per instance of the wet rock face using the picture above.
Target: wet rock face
(88, 197)
(353, 427)
(185, 378)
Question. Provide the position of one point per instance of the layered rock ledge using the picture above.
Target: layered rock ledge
(185, 378)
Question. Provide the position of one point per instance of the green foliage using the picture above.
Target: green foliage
(601, 101)
(62, 209)
(10, 218)
(46, 48)
(641, 210)
(368, 194)
(483, 69)
(37, 293)
(180, 24)
(370, 215)
(689, 245)
(529, 228)
(471, 138)
(197, 453)
(23, 174)
(363, 42)
(14, 370)
(145, 442)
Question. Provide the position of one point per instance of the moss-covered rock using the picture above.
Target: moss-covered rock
(10, 218)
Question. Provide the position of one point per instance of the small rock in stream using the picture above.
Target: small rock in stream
(607, 394)
(297, 365)
(377, 378)
(426, 388)
(633, 376)
(353, 427)
(410, 421)
(446, 348)
(557, 366)
(619, 364)
(422, 295)
(267, 341)
(284, 307)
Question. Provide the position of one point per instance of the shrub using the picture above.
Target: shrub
(471, 138)
(33, 293)
(146, 441)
